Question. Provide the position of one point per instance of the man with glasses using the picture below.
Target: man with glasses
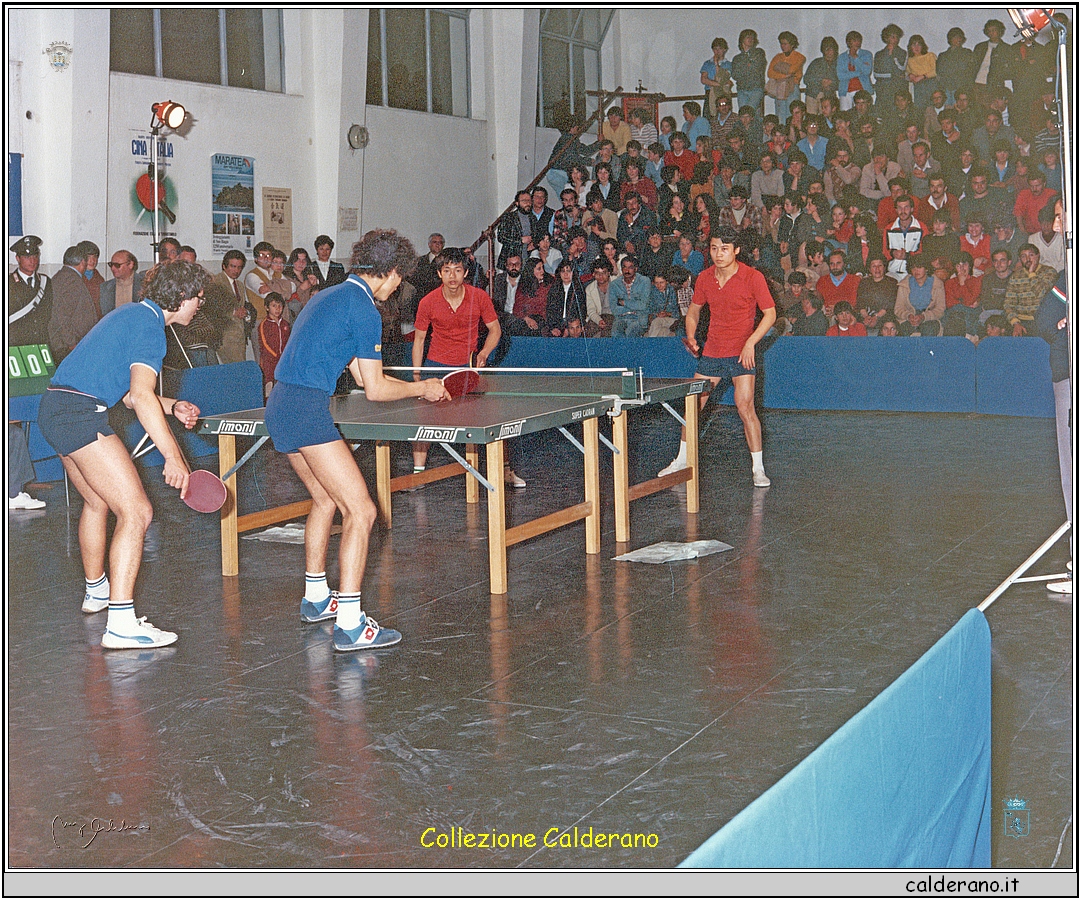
(125, 285)
(119, 360)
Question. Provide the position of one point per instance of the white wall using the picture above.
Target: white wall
(271, 128)
(420, 173)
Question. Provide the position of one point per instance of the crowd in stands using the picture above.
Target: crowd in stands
(916, 184)
(908, 191)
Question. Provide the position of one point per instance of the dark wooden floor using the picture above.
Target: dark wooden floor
(627, 697)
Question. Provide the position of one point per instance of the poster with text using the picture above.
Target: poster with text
(232, 180)
(278, 218)
(141, 190)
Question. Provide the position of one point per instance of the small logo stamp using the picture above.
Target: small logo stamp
(1017, 817)
(512, 429)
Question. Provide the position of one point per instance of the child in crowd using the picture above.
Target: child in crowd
(273, 335)
(846, 326)
(664, 311)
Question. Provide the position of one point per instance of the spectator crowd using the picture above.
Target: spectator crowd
(908, 191)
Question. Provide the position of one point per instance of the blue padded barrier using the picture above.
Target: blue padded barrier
(903, 374)
(215, 390)
(1013, 377)
(657, 357)
(47, 465)
(906, 782)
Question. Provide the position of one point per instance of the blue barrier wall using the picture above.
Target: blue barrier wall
(1002, 376)
(906, 782)
(1013, 377)
(47, 465)
(215, 390)
(903, 374)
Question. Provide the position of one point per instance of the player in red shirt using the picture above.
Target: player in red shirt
(453, 312)
(734, 292)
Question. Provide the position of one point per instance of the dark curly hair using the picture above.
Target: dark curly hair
(170, 284)
(382, 251)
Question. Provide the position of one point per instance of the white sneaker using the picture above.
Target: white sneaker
(142, 636)
(761, 479)
(674, 466)
(24, 501)
(93, 605)
(1060, 587)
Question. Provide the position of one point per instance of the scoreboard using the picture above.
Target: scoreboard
(29, 369)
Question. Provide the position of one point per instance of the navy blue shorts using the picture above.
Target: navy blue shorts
(723, 367)
(70, 420)
(298, 416)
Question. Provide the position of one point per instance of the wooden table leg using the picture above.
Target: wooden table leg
(471, 487)
(590, 430)
(382, 480)
(230, 550)
(691, 415)
(497, 520)
(621, 476)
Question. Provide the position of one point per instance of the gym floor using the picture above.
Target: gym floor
(652, 699)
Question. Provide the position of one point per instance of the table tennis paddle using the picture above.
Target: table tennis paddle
(461, 382)
(206, 491)
(690, 348)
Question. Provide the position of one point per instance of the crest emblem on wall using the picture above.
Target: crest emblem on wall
(59, 54)
(1017, 817)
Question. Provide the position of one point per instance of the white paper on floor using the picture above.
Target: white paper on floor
(286, 534)
(672, 551)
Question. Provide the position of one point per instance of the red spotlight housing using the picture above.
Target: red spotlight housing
(1030, 22)
(170, 114)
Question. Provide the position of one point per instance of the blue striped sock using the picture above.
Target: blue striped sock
(121, 615)
(348, 611)
(316, 589)
(98, 589)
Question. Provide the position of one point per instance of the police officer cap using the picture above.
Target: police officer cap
(27, 246)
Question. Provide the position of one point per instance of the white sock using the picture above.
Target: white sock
(682, 455)
(348, 611)
(756, 461)
(99, 589)
(316, 589)
(121, 616)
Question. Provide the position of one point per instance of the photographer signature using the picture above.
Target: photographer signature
(89, 830)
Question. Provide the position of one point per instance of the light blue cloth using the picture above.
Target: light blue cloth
(700, 127)
(863, 65)
(906, 782)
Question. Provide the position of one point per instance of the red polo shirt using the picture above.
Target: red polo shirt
(454, 332)
(732, 308)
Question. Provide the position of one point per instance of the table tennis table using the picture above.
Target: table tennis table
(509, 404)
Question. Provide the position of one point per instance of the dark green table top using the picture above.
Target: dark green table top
(511, 405)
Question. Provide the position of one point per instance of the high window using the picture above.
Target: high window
(570, 62)
(231, 47)
(419, 59)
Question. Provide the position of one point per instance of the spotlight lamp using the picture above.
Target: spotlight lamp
(170, 114)
(1030, 22)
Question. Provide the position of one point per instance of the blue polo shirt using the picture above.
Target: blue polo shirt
(338, 324)
(100, 365)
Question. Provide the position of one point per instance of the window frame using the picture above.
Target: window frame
(572, 43)
(223, 55)
(384, 74)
